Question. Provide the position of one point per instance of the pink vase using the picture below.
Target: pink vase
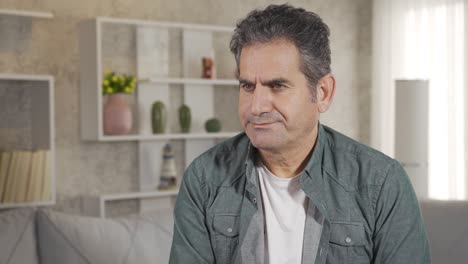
(117, 115)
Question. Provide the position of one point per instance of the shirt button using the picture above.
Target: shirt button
(254, 200)
(229, 230)
(348, 240)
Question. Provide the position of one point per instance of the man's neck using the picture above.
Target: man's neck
(287, 163)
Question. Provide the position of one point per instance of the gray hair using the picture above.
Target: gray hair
(304, 29)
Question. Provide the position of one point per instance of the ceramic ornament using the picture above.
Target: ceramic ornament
(168, 178)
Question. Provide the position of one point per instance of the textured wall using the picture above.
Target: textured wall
(25, 123)
(15, 116)
(50, 46)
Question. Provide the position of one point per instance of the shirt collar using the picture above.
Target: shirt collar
(313, 168)
(311, 179)
(250, 163)
(314, 165)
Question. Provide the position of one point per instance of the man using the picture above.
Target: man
(290, 190)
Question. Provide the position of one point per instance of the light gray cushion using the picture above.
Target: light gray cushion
(17, 237)
(72, 239)
(447, 229)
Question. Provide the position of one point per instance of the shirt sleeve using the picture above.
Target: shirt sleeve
(191, 241)
(399, 234)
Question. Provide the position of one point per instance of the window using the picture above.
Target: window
(427, 41)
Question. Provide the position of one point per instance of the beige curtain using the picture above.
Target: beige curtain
(425, 39)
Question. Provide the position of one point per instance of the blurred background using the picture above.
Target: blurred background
(423, 44)
(80, 132)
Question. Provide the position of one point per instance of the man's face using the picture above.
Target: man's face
(275, 102)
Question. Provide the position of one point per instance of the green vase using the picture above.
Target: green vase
(185, 118)
(213, 125)
(158, 117)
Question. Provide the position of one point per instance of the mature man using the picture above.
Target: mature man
(290, 190)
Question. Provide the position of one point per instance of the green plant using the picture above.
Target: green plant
(185, 118)
(114, 83)
(158, 116)
(213, 125)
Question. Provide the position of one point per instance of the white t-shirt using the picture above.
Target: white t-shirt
(285, 206)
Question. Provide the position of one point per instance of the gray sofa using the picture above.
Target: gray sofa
(447, 230)
(30, 236)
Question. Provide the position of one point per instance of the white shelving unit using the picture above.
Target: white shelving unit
(172, 136)
(154, 84)
(26, 77)
(26, 13)
(197, 42)
(162, 24)
(41, 90)
(190, 81)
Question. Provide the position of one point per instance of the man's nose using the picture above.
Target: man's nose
(261, 100)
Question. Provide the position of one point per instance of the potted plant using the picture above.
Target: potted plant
(117, 115)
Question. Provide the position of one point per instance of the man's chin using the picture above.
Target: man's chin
(264, 143)
(267, 137)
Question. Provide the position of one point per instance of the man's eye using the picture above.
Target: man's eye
(247, 87)
(278, 86)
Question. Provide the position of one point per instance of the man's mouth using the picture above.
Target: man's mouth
(262, 125)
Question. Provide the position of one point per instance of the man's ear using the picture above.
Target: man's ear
(325, 92)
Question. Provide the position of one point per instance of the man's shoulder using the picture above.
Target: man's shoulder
(223, 161)
(353, 163)
(342, 144)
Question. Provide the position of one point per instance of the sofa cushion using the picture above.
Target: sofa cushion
(70, 239)
(447, 230)
(17, 237)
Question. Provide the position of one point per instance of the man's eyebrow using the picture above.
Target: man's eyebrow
(245, 81)
(273, 82)
(268, 82)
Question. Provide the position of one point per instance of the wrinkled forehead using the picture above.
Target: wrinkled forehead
(265, 61)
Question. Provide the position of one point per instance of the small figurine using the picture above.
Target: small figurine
(168, 178)
(208, 68)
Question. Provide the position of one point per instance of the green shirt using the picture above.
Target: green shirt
(362, 207)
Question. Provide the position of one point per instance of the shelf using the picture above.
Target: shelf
(229, 82)
(26, 13)
(39, 91)
(142, 22)
(25, 77)
(152, 53)
(28, 204)
(138, 195)
(169, 136)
